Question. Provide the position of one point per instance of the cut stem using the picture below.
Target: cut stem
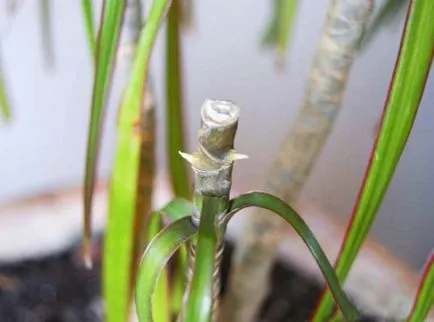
(212, 166)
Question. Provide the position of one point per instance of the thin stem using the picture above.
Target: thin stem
(175, 122)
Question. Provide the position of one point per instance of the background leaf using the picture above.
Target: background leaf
(406, 91)
(280, 27)
(112, 14)
(175, 123)
(5, 106)
(87, 8)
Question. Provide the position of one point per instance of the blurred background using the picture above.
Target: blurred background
(44, 148)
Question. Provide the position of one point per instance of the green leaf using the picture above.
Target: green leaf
(200, 298)
(154, 260)
(177, 208)
(406, 91)
(87, 8)
(280, 27)
(175, 131)
(179, 279)
(108, 37)
(46, 28)
(424, 300)
(278, 206)
(5, 106)
(131, 187)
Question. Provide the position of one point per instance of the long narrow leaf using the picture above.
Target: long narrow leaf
(5, 106)
(87, 8)
(408, 83)
(424, 300)
(131, 185)
(46, 29)
(278, 206)
(155, 258)
(280, 27)
(108, 37)
(175, 131)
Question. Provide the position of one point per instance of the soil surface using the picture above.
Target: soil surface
(59, 289)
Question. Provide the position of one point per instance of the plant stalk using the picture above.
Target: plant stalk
(299, 151)
(212, 166)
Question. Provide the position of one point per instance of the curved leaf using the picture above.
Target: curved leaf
(108, 37)
(87, 8)
(177, 208)
(175, 126)
(424, 300)
(155, 258)
(405, 93)
(278, 206)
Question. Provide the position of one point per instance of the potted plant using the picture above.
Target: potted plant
(131, 221)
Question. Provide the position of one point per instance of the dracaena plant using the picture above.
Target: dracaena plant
(204, 227)
(201, 224)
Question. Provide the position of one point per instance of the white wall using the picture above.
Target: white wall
(45, 146)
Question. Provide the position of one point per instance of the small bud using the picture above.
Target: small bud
(188, 157)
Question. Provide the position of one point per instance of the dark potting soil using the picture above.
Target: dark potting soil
(59, 288)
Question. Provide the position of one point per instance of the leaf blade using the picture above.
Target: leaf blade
(407, 86)
(108, 37)
(87, 9)
(424, 299)
(175, 129)
(154, 259)
(5, 105)
(131, 186)
(278, 206)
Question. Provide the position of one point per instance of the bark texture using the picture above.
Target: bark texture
(345, 26)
